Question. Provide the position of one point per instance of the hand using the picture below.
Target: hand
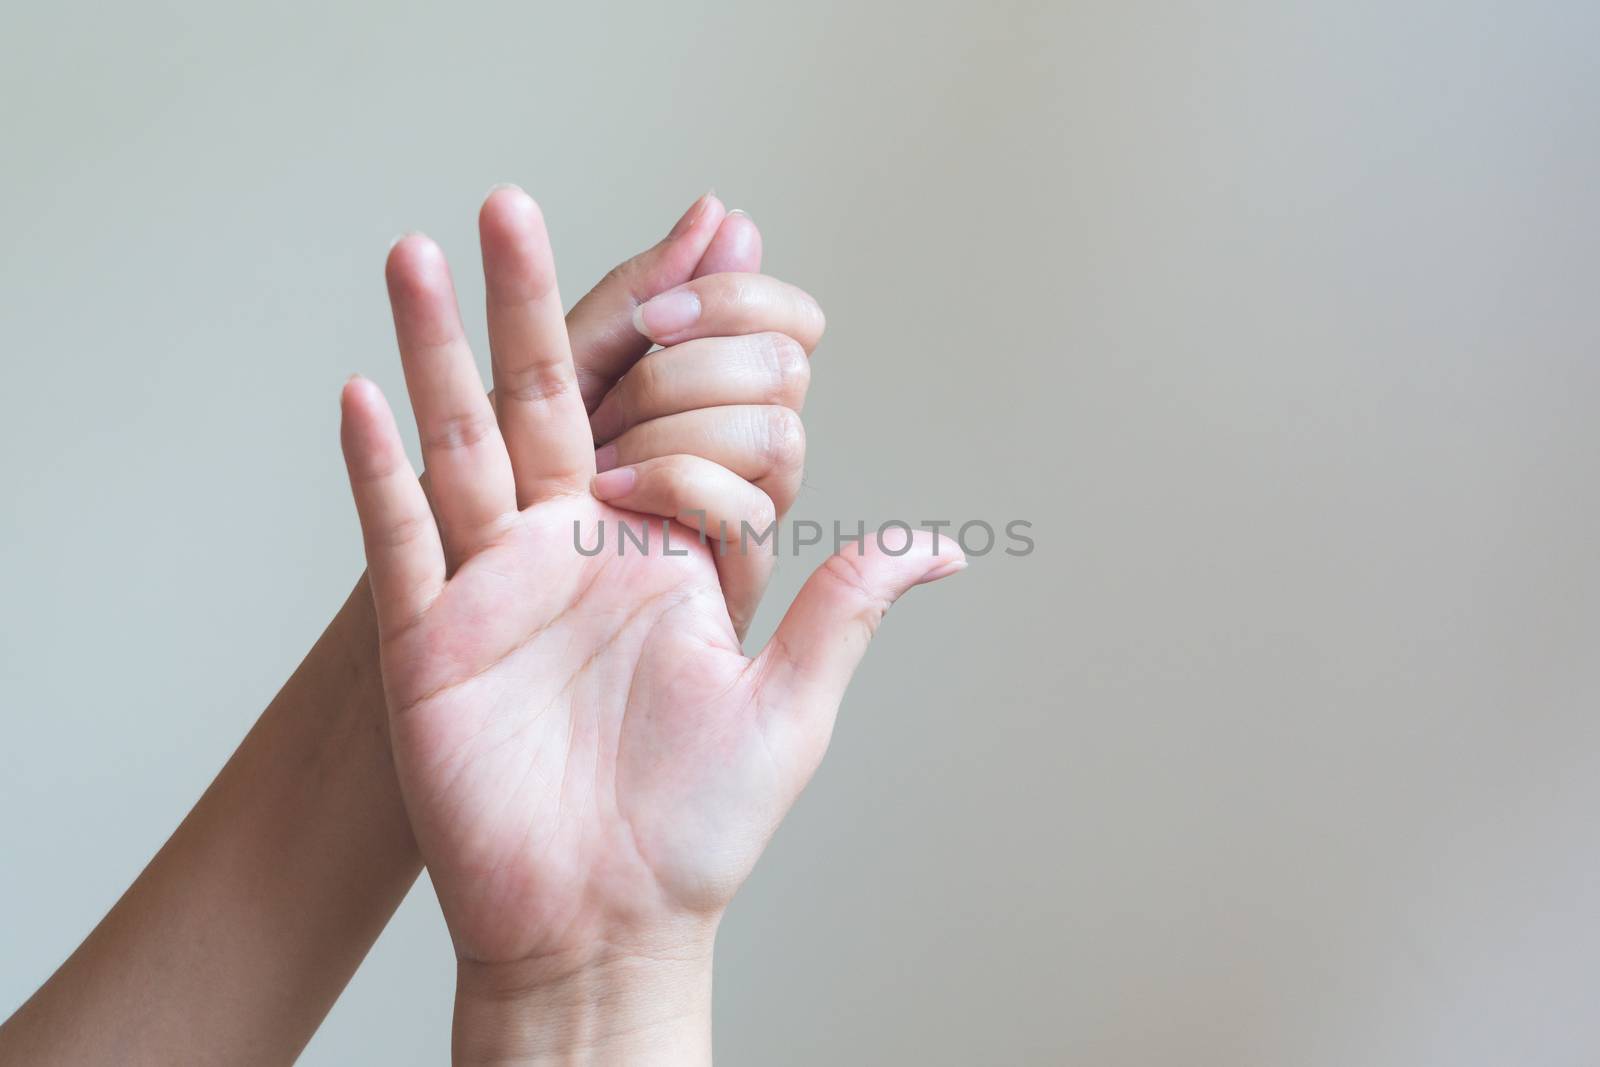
(295, 873)
(590, 764)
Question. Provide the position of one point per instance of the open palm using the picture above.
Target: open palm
(577, 741)
(583, 747)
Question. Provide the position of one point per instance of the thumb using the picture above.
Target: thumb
(820, 642)
(600, 326)
(736, 249)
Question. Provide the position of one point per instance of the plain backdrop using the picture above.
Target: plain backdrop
(1278, 322)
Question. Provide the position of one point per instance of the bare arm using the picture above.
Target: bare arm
(246, 925)
(242, 931)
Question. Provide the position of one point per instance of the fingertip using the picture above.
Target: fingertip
(715, 212)
(364, 408)
(705, 224)
(943, 569)
(740, 227)
(421, 293)
(359, 394)
(614, 483)
(941, 556)
(937, 550)
(698, 215)
(735, 247)
(510, 188)
(507, 206)
(907, 557)
(665, 316)
(366, 426)
(414, 261)
(518, 264)
(816, 324)
(674, 259)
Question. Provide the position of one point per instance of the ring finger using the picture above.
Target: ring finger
(764, 444)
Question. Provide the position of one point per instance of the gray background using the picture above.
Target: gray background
(1277, 321)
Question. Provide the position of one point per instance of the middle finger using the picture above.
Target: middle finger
(761, 368)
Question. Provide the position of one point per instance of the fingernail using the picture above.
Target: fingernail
(402, 237)
(497, 186)
(740, 211)
(608, 485)
(690, 217)
(943, 570)
(605, 458)
(664, 315)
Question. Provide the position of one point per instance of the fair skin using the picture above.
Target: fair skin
(590, 762)
(242, 931)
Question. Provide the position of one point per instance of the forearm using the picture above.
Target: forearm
(643, 1007)
(237, 938)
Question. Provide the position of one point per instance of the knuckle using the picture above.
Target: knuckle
(370, 470)
(813, 323)
(400, 532)
(762, 512)
(786, 439)
(845, 574)
(677, 474)
(733, 295)
(631, 276)
(591, 385)
(684, 487)
(788, 371)
(639, 388)
(729, 288)
(461, 430)
(534, 385)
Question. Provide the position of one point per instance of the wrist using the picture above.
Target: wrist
(613, 1005)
